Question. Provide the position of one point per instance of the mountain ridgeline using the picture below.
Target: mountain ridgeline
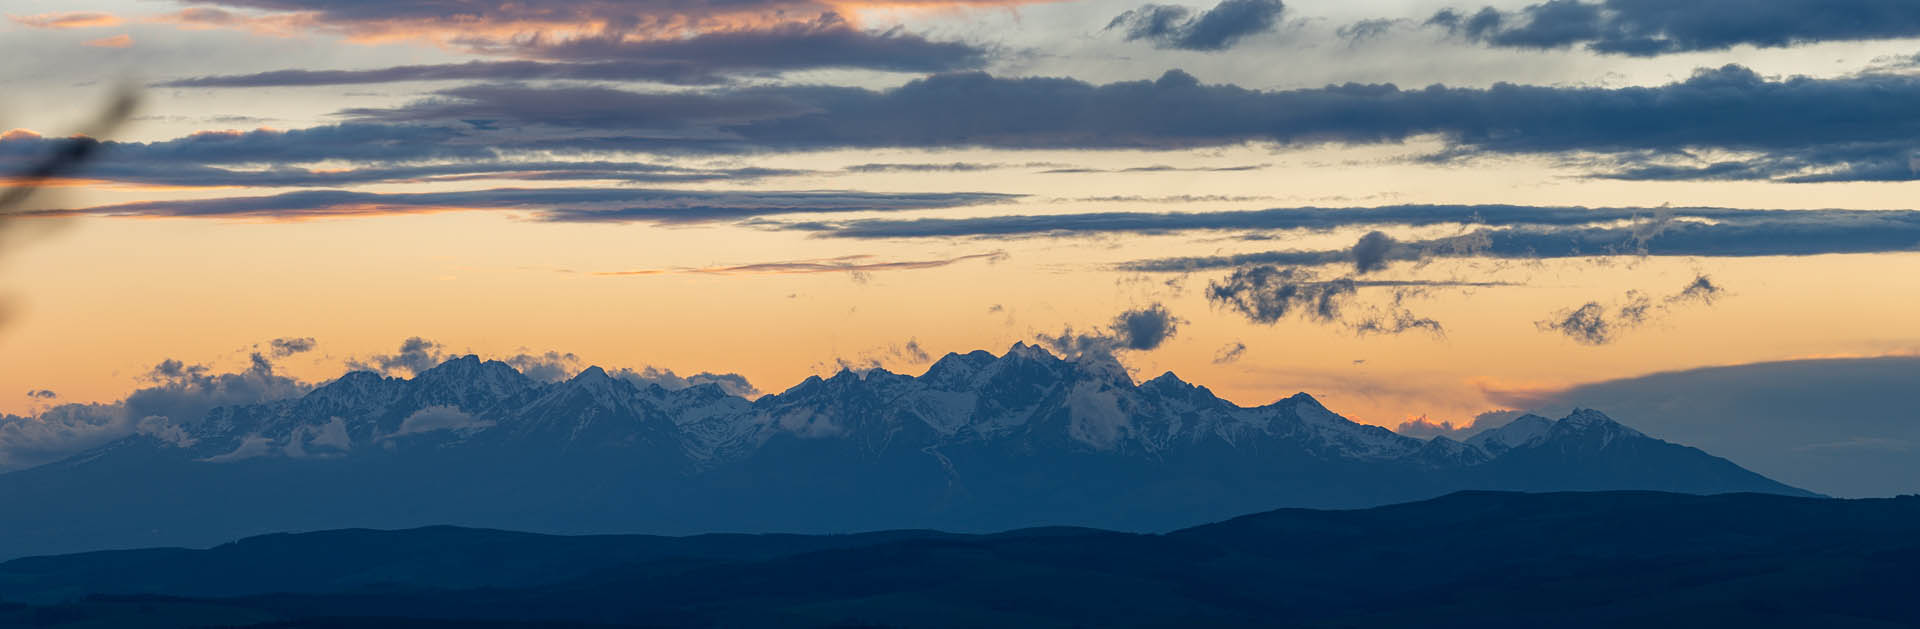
(978, 443)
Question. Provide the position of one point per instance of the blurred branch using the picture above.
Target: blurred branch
(72, 153)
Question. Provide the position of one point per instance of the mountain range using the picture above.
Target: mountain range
(1470, 559)
(980, 442)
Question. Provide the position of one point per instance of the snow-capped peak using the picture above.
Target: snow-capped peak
(1586, 423)
(1523, 431)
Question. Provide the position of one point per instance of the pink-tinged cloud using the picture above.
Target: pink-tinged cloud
(117, 41)
(67, 19)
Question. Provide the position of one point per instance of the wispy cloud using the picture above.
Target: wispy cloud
(858, 263)
(1593, 323)
(116, 41)
(67, 19)
(578, 205)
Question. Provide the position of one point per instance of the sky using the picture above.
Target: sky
(1424, 213)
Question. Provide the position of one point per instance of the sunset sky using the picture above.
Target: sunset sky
(1569, 193)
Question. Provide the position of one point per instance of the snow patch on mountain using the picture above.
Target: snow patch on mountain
(251, 446)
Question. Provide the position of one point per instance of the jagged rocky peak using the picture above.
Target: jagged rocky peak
(592, 375)
(470, 379)
(956, 368)
(1587, 419)
(1020, 350)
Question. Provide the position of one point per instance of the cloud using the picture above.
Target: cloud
(732, 383)
(859, 263)
(284, 347)
(176, 394)
(1145, 329)
(437, 418)
(940, 168)
(560, 205)
(1591, 324)
(1647, 28)
(707, 58)
(1423, 428)
(1796, 129)
(1701, 289)
(1829, 425)
(913, 352)
(1716, 233)
(1596, 324)
(1370, 252)
(115, 41)
(207, 164)
(670, 72)
(1136, 329)
(67, 19)
(182, 161)
(33, 166)
(414, 356)
(1539, 231)
(550, 366)
(1366, 30)
(1267, 294)
(1218, 28)
(486, 26)
(1730, 108)
(42, 394)
(1230, 353)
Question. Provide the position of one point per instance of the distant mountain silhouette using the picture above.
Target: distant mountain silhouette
(1471, 559)
(978, 443)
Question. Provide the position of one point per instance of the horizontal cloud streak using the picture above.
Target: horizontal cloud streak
(1800, 129)
(1761, 233)
(708, 58)
(1729, 108)
(861, 263)
(611, 205)
(66, 20)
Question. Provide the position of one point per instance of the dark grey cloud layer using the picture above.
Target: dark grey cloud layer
(359, 143)
(214, 160)
(1831, 126)
(577, 205)
(1218, 28)
(1499, 231)
(1799, 129)
(1653, 27)
(708, 58)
